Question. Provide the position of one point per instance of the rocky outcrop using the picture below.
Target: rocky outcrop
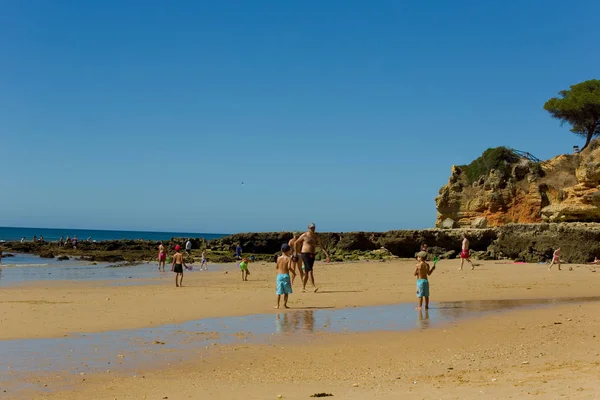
(580, 242)
(499, 188)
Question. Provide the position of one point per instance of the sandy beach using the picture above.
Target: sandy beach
(548, 352)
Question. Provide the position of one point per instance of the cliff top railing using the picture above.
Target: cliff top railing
(529, 156)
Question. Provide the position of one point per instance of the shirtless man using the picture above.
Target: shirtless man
(296, 260)
(308, 242)
(162, 257)
(464, 254)
(177, 266)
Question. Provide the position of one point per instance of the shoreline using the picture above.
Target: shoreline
(58, 308)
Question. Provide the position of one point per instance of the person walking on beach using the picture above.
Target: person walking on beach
(283, 284)
(177, 266)
(34, 238)
(308, 243)
(188, 246)
(424, 251)
(244, 268)
(75, 241)
(296, 260)
(422, 272)
(61, 242)
(555, 259)
(204, 262)
(238, 252)
(162, 257)
(464, 254)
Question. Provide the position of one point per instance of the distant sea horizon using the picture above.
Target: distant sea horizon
(10, 234)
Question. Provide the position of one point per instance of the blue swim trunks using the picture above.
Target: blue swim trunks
(422, 288)
(284, 285)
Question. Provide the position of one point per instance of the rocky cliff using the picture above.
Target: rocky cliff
(503, 186)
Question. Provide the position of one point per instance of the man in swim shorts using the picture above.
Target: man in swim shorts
(177, 266)
(308, 243)
(284, 285)
(464, 254)
(422, 272)
(162, 257)
(296, 260)
(244, 268)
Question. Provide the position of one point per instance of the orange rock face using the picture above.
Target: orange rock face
(564, 189)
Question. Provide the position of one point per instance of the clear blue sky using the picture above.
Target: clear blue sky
(149, 114)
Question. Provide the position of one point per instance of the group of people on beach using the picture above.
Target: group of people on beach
(423, 270)
(298, 258)
(178, 262)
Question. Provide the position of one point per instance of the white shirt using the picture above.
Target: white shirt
(188, 245)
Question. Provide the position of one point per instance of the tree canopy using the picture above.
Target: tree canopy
(579, 107)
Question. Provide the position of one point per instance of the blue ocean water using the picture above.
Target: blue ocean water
(12, 234)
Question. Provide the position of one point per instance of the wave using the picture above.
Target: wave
(22, 265)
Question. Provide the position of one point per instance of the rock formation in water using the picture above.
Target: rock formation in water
(502, 187)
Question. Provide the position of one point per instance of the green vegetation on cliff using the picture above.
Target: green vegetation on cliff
(496, 158)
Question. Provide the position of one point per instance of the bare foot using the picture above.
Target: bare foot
(276, 307)
(417, 308)
(472, 268)
(303, 290)
(316, 290)
(460, 269)
(285, 306)
(176, 285)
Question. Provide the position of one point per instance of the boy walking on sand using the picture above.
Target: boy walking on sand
(177, 266)
(284, 285)
(555, 259)
(422, 271)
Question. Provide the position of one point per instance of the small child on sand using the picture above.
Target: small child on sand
(422, 271)
(244, 268)
(177, 266)
(284, 284)
(555, 259)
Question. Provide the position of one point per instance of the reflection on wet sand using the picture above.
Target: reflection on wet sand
(423, 321)
(299, 322)
(94, 352)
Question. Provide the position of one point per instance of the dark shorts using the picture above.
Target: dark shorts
(178, 268)
(309, 261)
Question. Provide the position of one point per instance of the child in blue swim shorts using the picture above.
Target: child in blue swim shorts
(284, 284)
(422, 272)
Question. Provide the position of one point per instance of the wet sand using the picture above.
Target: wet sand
(550, 352)
(58, 308)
